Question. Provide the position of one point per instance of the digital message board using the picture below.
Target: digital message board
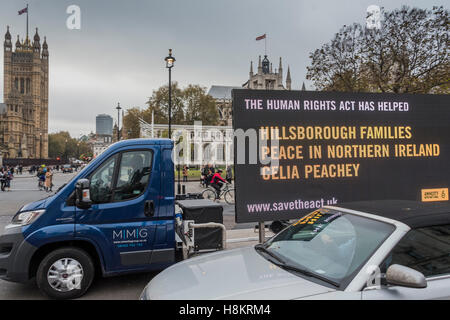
(296, 151)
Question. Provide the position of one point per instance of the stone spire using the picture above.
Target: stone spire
(45, 48)
(18, 44)
(280, 75)
(37, 42)
(7, 35)
(251, 69)
(8, 43)
(303, 87)
(259, 66)
(280, 68)
(288, 79)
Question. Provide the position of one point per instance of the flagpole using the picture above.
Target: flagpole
(27, 21)
(265, 45)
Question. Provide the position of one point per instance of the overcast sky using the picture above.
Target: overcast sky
(117, 55)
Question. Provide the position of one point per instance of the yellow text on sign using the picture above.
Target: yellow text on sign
(429, 195)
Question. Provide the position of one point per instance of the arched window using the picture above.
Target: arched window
(22, 85)
(28, 85)
(16, 83)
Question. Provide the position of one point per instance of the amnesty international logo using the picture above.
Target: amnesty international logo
(429, 195)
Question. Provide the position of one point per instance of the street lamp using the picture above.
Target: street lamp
(170, 61)
(40, 145)
(66, 154)
(118, 121)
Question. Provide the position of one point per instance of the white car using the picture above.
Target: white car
(362, 250)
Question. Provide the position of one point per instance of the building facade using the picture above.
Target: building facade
(104, 125)
(266, 78)
(222, 97)
(24, 116)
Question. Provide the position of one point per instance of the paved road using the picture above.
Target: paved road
(24, 190)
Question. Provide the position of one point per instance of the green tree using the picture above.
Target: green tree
(159, 104)
(188, 105)
(409, 54)
(199, 106)
(62, 145)
(131, 123)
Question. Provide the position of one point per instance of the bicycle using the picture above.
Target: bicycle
(227, 192)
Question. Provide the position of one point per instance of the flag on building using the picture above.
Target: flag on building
(261, 37)
(24, 10)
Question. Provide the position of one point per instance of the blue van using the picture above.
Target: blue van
(115, 216)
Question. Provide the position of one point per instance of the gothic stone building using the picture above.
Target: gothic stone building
(24, 113)
(266, 78)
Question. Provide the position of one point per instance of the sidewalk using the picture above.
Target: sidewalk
(27, 175)
(244, 238)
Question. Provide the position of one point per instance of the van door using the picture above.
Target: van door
(122, 220)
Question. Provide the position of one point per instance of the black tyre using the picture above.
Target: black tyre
(209, 194)
(65, 273)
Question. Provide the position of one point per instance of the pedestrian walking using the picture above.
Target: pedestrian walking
(203, 175)
(229, 175)
(2, 179)
(185, 173)
(9, 178)
(48, 180)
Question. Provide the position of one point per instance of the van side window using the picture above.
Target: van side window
(133, 175)
(101, 182)
(426, 250)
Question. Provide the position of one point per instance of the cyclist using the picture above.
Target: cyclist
(217, 182)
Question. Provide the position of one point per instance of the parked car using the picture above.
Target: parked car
(362, 250)
(67, 168)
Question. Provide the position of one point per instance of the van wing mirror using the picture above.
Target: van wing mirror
(406, 277)
(83, 198)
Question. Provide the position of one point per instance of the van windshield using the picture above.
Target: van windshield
(330, 244)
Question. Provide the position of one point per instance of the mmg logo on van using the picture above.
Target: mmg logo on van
(130, 235)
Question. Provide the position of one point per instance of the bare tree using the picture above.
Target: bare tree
(408, 54)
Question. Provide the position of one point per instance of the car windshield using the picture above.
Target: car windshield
(329, 244)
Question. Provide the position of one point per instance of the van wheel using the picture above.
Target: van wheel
(65, 273)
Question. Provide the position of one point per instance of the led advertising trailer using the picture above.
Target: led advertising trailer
(296, 151)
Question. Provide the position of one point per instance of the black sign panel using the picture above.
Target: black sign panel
(296, 151)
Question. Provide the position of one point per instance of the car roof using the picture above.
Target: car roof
(412, 213)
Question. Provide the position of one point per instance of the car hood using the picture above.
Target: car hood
(36, 205)
(236, 274)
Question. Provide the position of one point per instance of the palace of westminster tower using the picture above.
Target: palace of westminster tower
(24, 113)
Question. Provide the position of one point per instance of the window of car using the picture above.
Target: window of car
(122, 177)
(133, 175)
(330, 244)
(426, 250)
(101, 181)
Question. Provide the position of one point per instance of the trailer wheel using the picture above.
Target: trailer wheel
(65, 273)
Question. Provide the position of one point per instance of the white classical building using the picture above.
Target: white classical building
(196, 144)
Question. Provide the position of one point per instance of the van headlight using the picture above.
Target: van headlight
(26, 218)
